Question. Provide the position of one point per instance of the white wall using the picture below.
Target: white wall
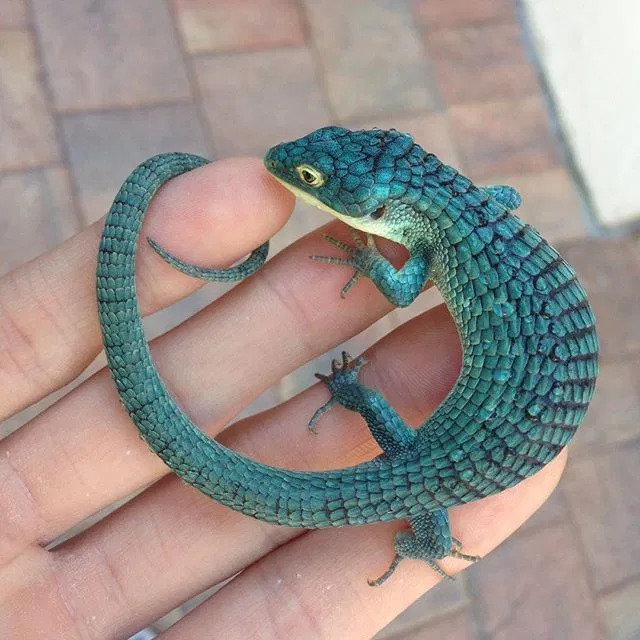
(590, 53)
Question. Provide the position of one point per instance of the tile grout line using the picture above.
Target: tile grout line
(321, 78)
(31, 168)
(192, 79)
(219, 53)
(618, 586)
(443, 105)
(579, 545)
(430, 80)
(79, 111)
(62, 149)
(316, 60)
(578, 541)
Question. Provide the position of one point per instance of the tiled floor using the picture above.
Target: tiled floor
(88, 89)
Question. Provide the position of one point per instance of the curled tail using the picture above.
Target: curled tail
(369, 492)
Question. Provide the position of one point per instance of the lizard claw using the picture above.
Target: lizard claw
(347, 287)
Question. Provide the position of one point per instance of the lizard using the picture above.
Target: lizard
(529, 345)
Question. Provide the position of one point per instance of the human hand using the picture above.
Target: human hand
(170, 542)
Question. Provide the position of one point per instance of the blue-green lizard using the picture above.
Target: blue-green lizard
(528, 340)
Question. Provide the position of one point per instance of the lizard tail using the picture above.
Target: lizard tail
(370, 492)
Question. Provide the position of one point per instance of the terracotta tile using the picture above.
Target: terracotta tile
(228, 25)
(620, 611)
(550, 202)
(503, 137)
(458, 626)
(38, 214)
(105, 147)
(430, 130)
(614, 414)
(535, 586)
(105, 54)
(445, 598)
(255, 100)
(609, 269)
(27, 135)
(433, 14)
(602, 494)
(372, 56)
(13, 14)
(481, 63)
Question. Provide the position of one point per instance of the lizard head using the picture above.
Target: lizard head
(368, 179)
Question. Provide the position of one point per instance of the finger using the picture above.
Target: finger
(188, 541)
(48, 322)
(317, 583)
(271, 321)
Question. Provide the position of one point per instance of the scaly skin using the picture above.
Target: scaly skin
(527, 332)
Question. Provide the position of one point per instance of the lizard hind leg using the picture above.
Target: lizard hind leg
(391, 432)
(343, 374)
(428, 540)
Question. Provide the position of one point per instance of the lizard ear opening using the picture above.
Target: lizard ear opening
(378, 213)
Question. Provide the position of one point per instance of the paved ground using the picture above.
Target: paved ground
(89, 88)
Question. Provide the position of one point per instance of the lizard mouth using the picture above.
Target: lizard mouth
(308, 198)
(365, 223)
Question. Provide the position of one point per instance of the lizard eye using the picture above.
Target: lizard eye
(309, 175)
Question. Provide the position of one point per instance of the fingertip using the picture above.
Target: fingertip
(209, 217)
(218, 212)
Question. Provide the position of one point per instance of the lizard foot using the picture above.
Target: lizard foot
(428, 540)
(361, 257)
(344, 375)
(456, 551)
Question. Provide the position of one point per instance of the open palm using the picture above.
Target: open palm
(170, 542)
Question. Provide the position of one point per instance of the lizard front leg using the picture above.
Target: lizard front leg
(399, 286)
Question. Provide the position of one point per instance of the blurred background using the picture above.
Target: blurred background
(539, 95)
